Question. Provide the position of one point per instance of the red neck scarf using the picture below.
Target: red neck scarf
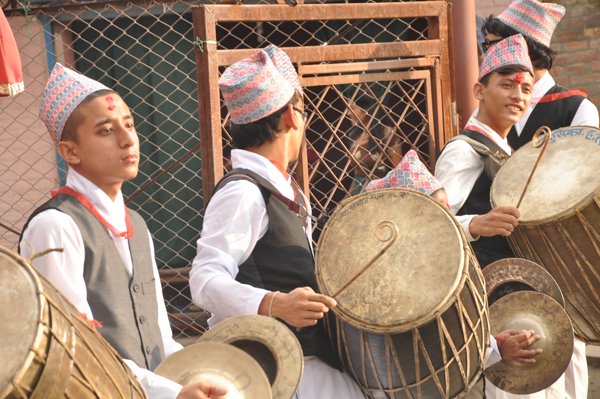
(90, 207)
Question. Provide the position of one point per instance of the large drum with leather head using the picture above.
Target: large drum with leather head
(411, 319)
(47, 349)
(559, 226)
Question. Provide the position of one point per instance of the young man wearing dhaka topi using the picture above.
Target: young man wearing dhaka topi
(107, 268)
(504, 91)
(255, 253)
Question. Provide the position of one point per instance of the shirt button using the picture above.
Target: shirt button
(148, 350)
(136, 288)
(142, 319)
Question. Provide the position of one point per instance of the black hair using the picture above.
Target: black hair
(76, 119)
(505, 70)
(261, 131)
(542, 57)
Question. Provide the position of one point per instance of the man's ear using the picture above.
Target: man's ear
(478, 89)
(289, 117)
(68, 151)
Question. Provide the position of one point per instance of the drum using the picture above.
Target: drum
(47, 349)
(559, 226)
(412, 317)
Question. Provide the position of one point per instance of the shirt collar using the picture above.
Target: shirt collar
(541, 87)
(261, 165)
(503, 143)
(112, 211)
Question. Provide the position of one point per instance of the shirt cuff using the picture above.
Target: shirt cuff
(156, 386)
(492, 355)
(465, 221)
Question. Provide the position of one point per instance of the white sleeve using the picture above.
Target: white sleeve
(169, 344)
(458, 168)
(156, 386)
(235, 219)
(586, 115)
(64, 270)
(492, 355)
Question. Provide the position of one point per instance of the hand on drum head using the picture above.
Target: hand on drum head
(500, 221)
(515, 345)
(201, 390)
(301, 307)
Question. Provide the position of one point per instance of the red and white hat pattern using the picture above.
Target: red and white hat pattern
(65, 90)
(510, 51)
(533, 19)
(255, 87)
(410, 173)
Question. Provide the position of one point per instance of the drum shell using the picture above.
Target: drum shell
(67, 357)
(441, 359)
(569, 248)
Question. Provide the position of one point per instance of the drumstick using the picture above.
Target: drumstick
(542, 130)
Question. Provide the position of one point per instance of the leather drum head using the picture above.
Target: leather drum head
(566, 176)
(270, 343)
(510, 273)
(20, 311)
(392, 259)
(219, 364)
(530, 310)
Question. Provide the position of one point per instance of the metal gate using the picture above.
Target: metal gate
(406, 78)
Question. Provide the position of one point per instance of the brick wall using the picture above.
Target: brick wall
(577, 39)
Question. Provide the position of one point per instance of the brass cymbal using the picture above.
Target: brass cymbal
(270, 343)
(530, 310)
(220, 364)
(502, 274)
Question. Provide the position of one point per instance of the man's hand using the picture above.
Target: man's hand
(302, 307)
(500, 221)
(201, 390)
(513, 345)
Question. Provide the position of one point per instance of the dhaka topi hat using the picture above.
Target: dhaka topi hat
(253, 88)
(65, 90)
(284, 65)
(533, 19)
(410, 173)
(509, 51)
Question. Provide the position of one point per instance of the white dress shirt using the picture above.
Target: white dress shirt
(586, 115)
(458, 168)
(235, 219)
(55, 229)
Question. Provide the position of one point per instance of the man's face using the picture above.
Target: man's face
(107, 149)
(504, 100)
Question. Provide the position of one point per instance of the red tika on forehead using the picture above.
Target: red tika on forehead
(519, 78)
(111, 107)
(109, 99)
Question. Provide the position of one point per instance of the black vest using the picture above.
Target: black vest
(554, 114)
(126, 306)
(282, 260)
(487, 249)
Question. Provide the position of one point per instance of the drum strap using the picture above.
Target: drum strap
(494, 158)
(292, 205)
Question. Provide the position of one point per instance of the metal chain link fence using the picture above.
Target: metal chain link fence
(359, 125)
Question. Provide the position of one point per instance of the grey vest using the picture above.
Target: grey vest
(125, 306)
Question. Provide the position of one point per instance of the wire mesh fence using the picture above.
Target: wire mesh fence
(359, 123)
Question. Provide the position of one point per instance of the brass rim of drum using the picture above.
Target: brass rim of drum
(560, 185)
(392, 259)
(255, 334)
(220, 364)
(505, 271)
(17, 343)
(536, 311)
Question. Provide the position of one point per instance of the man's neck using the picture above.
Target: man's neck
(499, 127)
